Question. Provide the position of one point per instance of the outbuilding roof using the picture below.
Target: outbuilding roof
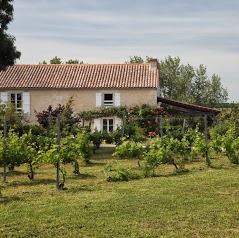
(186, 108)
(79, 76)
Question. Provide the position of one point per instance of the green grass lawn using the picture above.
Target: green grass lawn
(201, 203)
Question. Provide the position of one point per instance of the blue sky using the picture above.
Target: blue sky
(110, 31)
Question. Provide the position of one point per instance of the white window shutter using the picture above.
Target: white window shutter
(4, 97)
(26, 102)
(117, 99)
(98, 99)
(117, 123)
(97, 124)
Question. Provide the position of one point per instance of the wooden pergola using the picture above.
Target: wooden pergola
(182, 108)
(185, 109)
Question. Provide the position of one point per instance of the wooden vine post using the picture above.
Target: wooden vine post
(4, 150)
(161, 126)
(58, 142)
(123, 125)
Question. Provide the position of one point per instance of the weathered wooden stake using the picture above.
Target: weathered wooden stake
(4, 150)
(184, 125)
(58, 141)
(123, 125)
(48, 124)
(83, 121)
(161, 126)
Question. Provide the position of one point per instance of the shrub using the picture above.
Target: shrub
(1, 188)
(129, 149)
(167, 150)
(96, 138)
(230, 143)
(120, 174)
(108, 137)
(116, 173)
(116, 135)
(49, 116)
(84, 146)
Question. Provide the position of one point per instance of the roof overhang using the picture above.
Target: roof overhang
(176, 107)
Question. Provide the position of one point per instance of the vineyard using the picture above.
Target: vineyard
(173, 148)
(201, 202)
(177, 167)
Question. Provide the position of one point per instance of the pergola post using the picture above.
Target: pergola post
(184, 126)
(206, 139)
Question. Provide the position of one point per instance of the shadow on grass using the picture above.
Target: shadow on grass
(16, 173)
(79, 189)
(103, 153)
(171, 174)
(218, 167)
(5, 200)
(34, 182)
(223, 167)
(81, 176)
(105, 150)
(94, 164)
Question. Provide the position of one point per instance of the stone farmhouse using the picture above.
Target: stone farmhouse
(34, 87)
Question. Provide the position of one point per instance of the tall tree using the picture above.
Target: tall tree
(8, 52)
(216, 94)
(200, 86)
(75, 61)
(56, 60)
(186, 83)
(186, 73)
(169, 77)
(137, 60)
(189, 84)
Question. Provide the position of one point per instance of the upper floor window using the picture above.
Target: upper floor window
(16, 100)
(108, 100)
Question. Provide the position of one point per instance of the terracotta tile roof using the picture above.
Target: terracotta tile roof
(79, 76)
(185, 105)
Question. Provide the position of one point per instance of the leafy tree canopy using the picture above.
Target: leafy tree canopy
(8, 52)
(57, 60)
(137, 60)
(185, 83)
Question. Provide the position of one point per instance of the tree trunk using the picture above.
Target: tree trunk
(31, 173)
(174, 164)
(139, 162)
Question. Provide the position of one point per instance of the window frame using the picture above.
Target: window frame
(108, 124)
(18, 104)
(108, 102)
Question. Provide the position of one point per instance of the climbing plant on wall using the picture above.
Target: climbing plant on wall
(145, 116)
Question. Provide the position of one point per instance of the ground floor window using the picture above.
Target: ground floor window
(108, 125)
(16, 100)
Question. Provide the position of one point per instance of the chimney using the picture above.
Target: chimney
(153, 64)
